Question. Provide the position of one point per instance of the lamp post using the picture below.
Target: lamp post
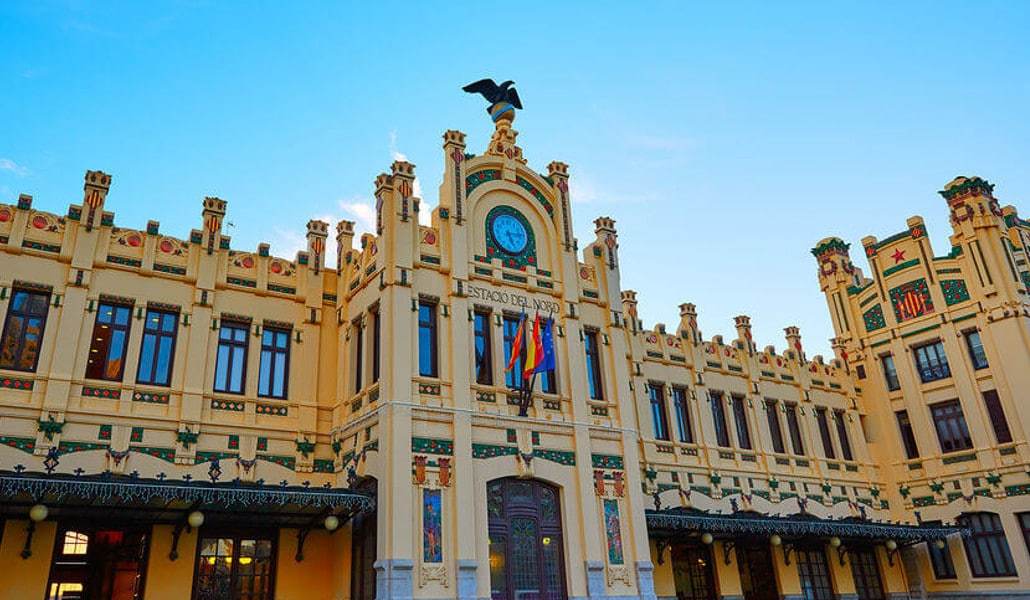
(37, 513)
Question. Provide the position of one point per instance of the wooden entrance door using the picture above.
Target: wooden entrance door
(527, 559)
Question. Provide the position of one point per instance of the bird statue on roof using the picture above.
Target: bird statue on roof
(503, 98)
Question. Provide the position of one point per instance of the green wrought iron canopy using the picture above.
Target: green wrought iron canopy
(678, 521)
(165, 501)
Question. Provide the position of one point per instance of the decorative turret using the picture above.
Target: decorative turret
(318, 232)
(558, 173)
(344, 241)
(629, 307)
(793, 336)
(743, 325)
(213, 214)
(836, 274)
(452, 189)
(969, 197)
(608, 238)
(688, 322)
(95, 190)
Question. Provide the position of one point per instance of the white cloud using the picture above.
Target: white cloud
(398, 155)
(7, 164)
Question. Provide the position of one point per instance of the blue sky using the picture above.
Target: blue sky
(725, 138)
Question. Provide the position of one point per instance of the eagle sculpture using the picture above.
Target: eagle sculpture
(495, 94)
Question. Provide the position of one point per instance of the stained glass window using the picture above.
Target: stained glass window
(23, 330)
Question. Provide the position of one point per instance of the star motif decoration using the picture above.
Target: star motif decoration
(898, 256)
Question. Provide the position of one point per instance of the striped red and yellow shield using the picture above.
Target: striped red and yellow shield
(93, 198)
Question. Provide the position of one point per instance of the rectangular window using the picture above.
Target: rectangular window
(824, 433)
(274, 370)
(158, 348)
(890, 373)
(814, 573)
(359, 351)
(722, 432)
(376, 337)
(23, 330)
(231, 361)
(656, 392)
(908, 436)
(548, 382)
(842, 433)
(866, 573)
(481, 333)
(940, 558)
(1024, 525)
(110, 337)
(593, 365)
(951, 426)
(931, 362)
(428, 360)
(775, 431)
(794, 427)
(740, 419)
(997, 415)
(88, 562)
(682, 410)
(986, 548)
(512, 377)
(976, 350)
(234, 567)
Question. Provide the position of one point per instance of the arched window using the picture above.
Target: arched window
(986, 548)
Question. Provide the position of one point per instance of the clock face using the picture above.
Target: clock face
(510, 234)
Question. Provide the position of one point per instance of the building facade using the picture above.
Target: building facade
(180, 418)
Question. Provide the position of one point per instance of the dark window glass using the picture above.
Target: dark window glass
(940, 558)
(866, 573)
(235, 568)
(158, 348)
(860, 371)
(90, 563)
(842, 433)
(692, 571)
(740, 419)
(795, 429)
(997, 415)
(428, 361)
(951, 426)
(931, 362)
(110, 338)
(548, 383)
(824, 433)
(722, 432)
(682, 411)
(1024, 524)
(908, 436)
(593, 365)
(976, 350)
(656, 392)
(890, 373)
(814, 574)
(986, 548)
(377, 333)
(484, 363)
(512, 377)
(231, 361)
(359, 356)
(775, 431)
(23, 330)
(274, 370)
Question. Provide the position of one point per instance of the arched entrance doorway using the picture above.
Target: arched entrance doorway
(527, 560)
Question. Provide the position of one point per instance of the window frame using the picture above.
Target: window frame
(809, 558)
(232, 344)
(377, 332)
(275, 351)
(595, 379)
(721, 425)
(659, 418)
(484, 373)
(979, 540)
(941, 562)
(977, 353)
(359, 355)
(681, 408)
(907, 433)
(890, 372)
(775, 428)
(846, 450)
(996, 415)
(936, 365)
(237, 535)
(510, 325)
(821, 417)
(431, 326)
(158, 334)
(741, 426)
(98, 373)
(25, 318)
(797, 440)
(950, 420)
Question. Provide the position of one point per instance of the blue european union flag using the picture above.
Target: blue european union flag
(547, 343)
